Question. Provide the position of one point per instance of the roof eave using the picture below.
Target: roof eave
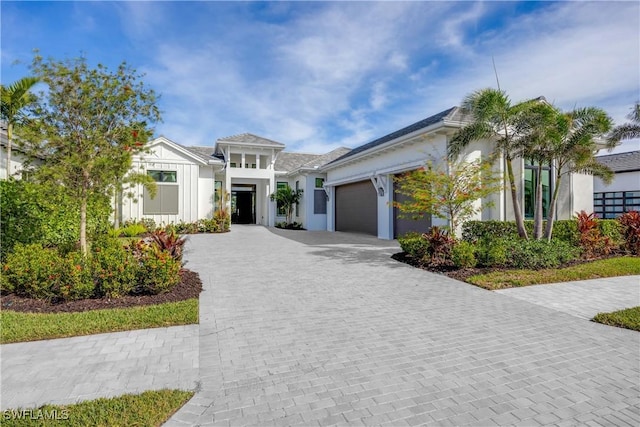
(383, 147)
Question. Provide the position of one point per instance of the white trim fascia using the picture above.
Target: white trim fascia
(178, 147)
(383, 147)
(403, 167)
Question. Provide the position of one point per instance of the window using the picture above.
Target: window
(163, 176)
(530, 171)
(165, 201)
(613, 204)
(319, 202)
(281, 211)
(319, 182)
(232, 164)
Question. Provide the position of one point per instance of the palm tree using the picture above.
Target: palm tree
(14, 98)
(493, 117)
(287, 198)
(628, 130)
(573, 144)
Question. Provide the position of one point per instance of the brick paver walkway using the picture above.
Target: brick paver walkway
(323, 329)
(69, 370)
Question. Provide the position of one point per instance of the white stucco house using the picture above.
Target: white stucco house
(623, 193)
(343, 190)
(240, 171)
(360, 183)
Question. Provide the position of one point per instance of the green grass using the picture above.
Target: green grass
(151, 408)
(628, 318)
(18, 327)
(623, 266)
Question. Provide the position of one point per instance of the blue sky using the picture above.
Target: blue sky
(319, 75)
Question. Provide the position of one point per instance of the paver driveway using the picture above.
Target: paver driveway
(305, 328)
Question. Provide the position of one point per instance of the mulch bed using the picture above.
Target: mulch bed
(189, 287)
(463, 274)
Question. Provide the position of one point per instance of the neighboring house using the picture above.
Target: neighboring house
(240, 171)
(18, 158)
(623, 194)
(360, 183)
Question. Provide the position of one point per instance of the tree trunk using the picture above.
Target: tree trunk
(537, 216)
(552, 208)
(517, 212)
(9, 138)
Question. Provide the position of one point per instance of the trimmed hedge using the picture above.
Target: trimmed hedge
(414, 244)
(565, 230)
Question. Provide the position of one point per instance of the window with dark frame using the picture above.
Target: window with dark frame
(165, 201)
(319, 198)
(530, 181)
(281, 211)
(612, 204)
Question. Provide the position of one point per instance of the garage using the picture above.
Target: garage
(403, 226)
(357, 208)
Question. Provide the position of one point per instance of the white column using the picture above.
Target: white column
(385, 209)
(243, 160)
(257, 161)
(331, 218)
(271, 216)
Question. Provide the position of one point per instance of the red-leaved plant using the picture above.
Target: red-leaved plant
(631, 230)
(170, 242)
(592, 242)
(440, 246)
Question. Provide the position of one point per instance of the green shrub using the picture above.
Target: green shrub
(114, 267)
(159, 272)
(207, 225)
(148, 223)
(493, 252)
(414, 244)
(536, 254)
(473, 231)
(133, 230)
(42, 273)
(40, 213)
(463, 255)
(76, 279)
(567, 231)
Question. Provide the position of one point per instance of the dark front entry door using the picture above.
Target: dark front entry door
(244, 207)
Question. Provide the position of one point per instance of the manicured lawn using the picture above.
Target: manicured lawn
(623, 266)
(151, 408)
(628, 318)
(18, 326)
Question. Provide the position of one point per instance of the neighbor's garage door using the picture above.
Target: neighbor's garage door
(357, 208)
(405, 225)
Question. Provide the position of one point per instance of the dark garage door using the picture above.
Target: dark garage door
(404, 225)
(357, 208)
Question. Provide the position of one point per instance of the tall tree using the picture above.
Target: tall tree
(627, 130)
(537, 129)
(14, 98)
(493, 117)
(88, 126)
(447, 191)
(573, 143)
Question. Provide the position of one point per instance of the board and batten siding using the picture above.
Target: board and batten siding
(188, 177)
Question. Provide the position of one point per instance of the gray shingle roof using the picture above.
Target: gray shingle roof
(204, 152)
(287, 162)
(323, 159)
(405, 131)
(621, 162)
(249, 138)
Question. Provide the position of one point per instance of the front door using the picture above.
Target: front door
(243, 205)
